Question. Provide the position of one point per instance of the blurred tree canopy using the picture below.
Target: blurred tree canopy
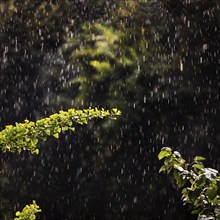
(157, 61)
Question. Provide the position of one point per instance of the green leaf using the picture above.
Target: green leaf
(65, 128)
(201, 181)
(198, 158)
(216, 200)
(195, 212)
(178, 167)
(177, 176)
(44, 138)
(36, 151)
(169, 161)
(47, 131)
(194, 194)
(56, 135)
(100, 66)
(163, 168)
(211, 192)
(72, 129)
(163, 154)
(179, 179)
(82, 121)
(18, 213)
(198, 166)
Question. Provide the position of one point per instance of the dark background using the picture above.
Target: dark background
(157, 61)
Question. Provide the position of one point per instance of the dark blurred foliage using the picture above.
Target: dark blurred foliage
(157, 61)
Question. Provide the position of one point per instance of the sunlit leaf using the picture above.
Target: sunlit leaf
(198, 158)
(163, 154)
(198, 166)
(163, 168)
(56, 135)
